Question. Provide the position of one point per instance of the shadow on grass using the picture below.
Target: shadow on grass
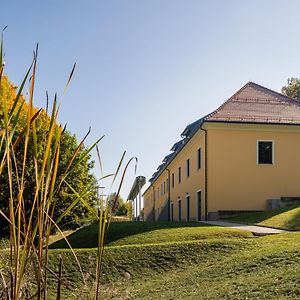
(86, 237)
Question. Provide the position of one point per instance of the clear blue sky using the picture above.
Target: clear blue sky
(147, 68)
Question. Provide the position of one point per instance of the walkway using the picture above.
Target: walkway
(256, 230)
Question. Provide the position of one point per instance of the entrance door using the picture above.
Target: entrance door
(199, 205)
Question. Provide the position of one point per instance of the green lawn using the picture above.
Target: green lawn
(181, 261)
(131, 233)
(214, 268)
(287, 218)
(184, 261)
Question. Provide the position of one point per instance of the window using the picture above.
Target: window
(188, 167)
(157, 192)
(179, 210)
(173, 180)
(265, 152)
(172, 212)
(179, 174)
(161, 189)
(199, 158)
(187, 207)
(168, 185)
(164, 187)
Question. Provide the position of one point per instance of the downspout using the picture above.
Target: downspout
(169, 195)
(205, 172)
(153, 202)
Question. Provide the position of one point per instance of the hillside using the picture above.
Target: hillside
(224, 264)
(131, 233)
(287, 218)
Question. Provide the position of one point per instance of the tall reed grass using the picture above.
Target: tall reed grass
(24, 269)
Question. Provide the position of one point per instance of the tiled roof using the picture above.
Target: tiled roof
(256, 104)
(253, 103)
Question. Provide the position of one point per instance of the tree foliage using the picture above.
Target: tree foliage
(80, 178)
(292, 89)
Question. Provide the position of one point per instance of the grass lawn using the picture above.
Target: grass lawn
(184, 261)
(181, 261)
(141, 233)
(287, 218)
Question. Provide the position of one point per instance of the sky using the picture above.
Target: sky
(147, 68)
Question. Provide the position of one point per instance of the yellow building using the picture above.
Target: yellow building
(236, 159)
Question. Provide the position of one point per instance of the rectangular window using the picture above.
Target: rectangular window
(188, 167)
(173, 180)
(161, 189)
(188, 208)
(179, 174)
(179, 210)
(164, 187)
(265, 153)
(199, 158)
(168, 185)
(157, 192)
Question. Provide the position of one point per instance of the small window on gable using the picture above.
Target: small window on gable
(265, 152)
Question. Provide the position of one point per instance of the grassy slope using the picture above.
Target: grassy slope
(164, 265)
(236, 268)
(288, 218)
(130, 233)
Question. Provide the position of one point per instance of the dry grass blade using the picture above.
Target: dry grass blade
(69, 245)
(70, 78)
(59, 280)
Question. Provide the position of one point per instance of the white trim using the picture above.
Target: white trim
(197, 203)
(273, 152)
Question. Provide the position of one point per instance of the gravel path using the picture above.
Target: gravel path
(253, 228)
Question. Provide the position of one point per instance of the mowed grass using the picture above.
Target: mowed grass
(287, 218)
(212, 268)
(142, 233)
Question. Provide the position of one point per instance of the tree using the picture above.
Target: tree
(292, 89)
(79, 178)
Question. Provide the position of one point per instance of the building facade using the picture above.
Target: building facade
(233, 160)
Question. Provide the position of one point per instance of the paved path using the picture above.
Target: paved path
(259, 230)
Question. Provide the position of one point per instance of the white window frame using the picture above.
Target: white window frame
(273, 152)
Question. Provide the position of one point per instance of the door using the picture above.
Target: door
(187, 208)
(199, 205)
